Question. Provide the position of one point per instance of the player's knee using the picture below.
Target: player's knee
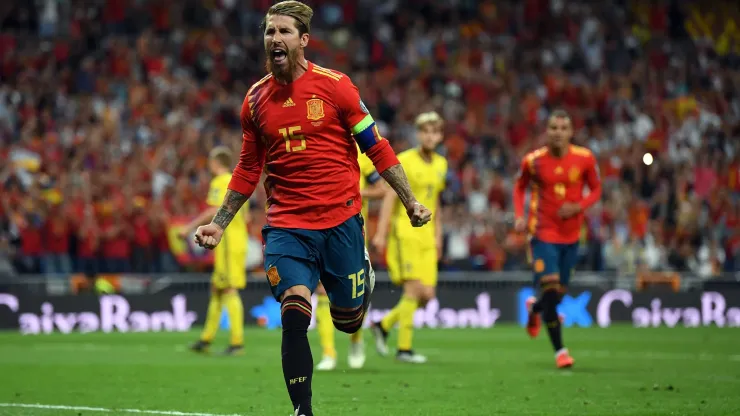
(298, 290)
(348, 320)
(550, 283)
(295, 312)
(427, 293)
(320, 290)
(413, 289)
(228, 291)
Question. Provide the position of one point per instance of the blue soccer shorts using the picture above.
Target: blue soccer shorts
(336, 256)
(553, 258)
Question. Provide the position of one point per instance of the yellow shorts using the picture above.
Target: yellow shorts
(229, 269)
(406, 260)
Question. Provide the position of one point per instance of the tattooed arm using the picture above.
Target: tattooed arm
(384, 219)
(233, 201)
(401, 189)
(396, 178)
(418, 213)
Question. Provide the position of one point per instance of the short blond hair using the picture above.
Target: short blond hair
(430, 117)
(560, 113)
(223, 155)
(301, 12)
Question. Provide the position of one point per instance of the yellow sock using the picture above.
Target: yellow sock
(325, 326)
(235, 310)
(392, 317)
(406, 307)
(356, 338)
(213, 318)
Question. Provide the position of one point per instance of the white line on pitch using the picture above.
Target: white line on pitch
(106, 410)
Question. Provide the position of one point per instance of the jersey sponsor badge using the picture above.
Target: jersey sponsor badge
(315, 108)
(364, 108)
(272, 276)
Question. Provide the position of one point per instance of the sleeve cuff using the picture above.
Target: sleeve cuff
(382, 156)
(241, 185)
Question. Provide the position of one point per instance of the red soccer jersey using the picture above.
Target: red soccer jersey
(56, 234)
(553, 182)
(302, 133)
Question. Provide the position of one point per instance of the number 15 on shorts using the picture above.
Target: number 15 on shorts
(358, 282)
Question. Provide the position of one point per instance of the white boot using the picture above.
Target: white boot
(356, 358)
(327, 363)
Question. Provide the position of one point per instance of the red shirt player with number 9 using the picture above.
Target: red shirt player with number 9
(556, 176)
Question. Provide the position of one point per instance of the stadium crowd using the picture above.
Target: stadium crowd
(108, 110)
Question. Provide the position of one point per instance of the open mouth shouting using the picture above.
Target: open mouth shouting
(278, 55)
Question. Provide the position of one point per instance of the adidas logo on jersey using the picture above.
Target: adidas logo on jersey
(288, 103)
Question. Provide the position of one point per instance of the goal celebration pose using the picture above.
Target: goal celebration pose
(302, 125)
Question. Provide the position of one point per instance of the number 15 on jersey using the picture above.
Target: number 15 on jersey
(289, 135)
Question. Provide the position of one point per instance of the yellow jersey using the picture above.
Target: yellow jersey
(235, 238)
(427, 180)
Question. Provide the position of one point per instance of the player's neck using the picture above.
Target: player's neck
(300, 69)
(426, 155)
(559, 152)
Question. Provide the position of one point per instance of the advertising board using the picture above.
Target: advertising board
(470, 306)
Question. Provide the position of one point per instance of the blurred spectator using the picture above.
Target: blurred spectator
(56, 235)
(108, 110)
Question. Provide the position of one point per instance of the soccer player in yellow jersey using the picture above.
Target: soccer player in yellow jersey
(229, 265)
(371, 187)
(412, 253)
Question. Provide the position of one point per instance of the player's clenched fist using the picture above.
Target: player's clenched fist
(208, 236)
(418, 214)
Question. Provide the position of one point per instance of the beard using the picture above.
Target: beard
(283, 71)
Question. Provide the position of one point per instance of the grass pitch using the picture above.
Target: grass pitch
(618, 371)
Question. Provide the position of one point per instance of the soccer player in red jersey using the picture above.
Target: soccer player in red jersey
(556, 175)
(300, 123)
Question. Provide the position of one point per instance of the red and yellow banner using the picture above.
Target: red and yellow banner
(185, 250)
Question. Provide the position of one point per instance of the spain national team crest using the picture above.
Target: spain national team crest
(315, 109)
(539, 266)
(573, 174)
(273, 276)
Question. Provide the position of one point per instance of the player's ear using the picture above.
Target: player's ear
(304, 40)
